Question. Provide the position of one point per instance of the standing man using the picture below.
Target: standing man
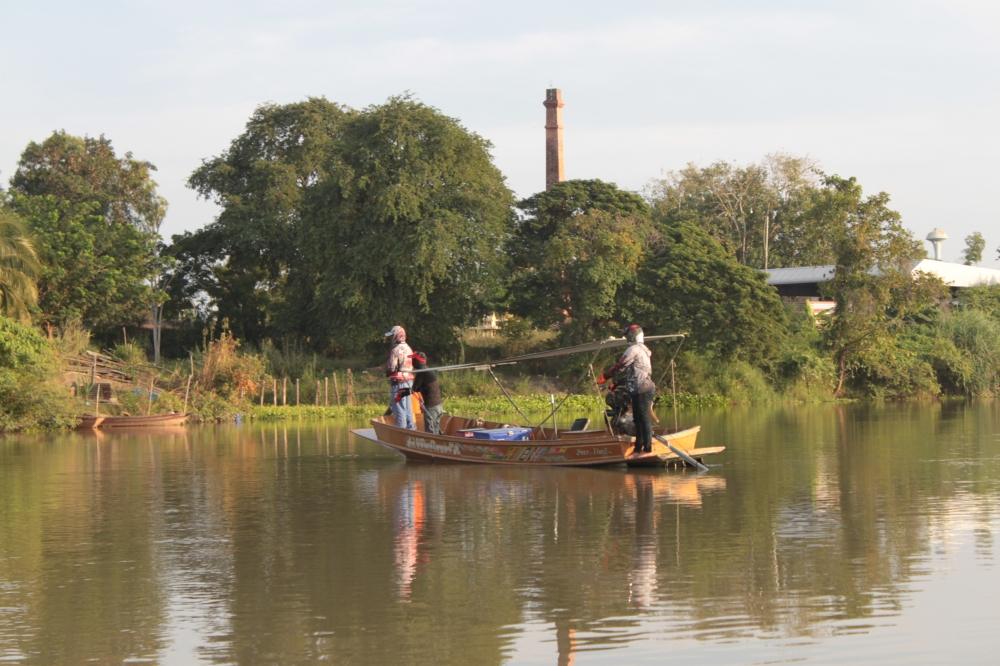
(638, 367)
(427, 385)
(399, 370)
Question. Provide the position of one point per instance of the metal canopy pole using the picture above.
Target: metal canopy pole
(507, 395)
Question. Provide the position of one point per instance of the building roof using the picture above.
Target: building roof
(953, 275)
(800, 274)
(958, 275)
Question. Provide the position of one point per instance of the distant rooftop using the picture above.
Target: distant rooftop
(798, 278)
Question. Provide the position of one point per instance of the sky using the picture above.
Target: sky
(903, 95)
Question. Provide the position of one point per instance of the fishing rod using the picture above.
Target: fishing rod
(598, 346)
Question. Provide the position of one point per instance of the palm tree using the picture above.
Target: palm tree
(19, 267)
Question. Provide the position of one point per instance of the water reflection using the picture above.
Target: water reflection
(294, 544)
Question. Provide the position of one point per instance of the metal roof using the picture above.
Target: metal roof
(953, 275)
(800, 274)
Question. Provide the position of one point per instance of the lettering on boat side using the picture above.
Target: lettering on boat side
(602, 452)
(421, 444)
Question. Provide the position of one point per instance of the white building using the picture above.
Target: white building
(804, 281)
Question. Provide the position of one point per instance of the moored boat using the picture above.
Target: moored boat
(465, 440)
(90, 422)
(139, 421)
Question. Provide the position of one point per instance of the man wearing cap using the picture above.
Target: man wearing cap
(637, 366)
(399, 370)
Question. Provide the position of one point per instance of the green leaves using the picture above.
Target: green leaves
(337, 223)
(575, 247)
(19, 267)
(688, 282)
(94, 218)
(91, 270)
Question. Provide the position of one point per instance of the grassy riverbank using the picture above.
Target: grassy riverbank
(532, 403)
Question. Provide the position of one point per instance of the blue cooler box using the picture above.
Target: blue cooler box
(503, 434)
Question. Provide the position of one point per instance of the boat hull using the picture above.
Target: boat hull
(90, 422)
(545, 446)
(152, 421)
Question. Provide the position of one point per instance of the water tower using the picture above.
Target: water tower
(937, 237)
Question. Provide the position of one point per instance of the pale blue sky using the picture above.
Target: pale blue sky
(903, 95)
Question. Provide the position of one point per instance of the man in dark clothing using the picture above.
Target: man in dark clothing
(427, 385)
(636, 364)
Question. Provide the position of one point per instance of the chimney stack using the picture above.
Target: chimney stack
(554, 169)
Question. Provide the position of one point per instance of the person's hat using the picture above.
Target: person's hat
(632, 331)
(397, 332)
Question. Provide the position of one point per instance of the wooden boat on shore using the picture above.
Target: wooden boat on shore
(90, 422)
(462, 441)
(151, 421)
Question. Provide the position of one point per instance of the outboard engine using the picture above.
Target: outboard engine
(619, 411)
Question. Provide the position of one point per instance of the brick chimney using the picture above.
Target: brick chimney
(554, 169)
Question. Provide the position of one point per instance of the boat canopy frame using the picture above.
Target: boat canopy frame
(596, 347)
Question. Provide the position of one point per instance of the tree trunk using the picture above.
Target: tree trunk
(842, 365)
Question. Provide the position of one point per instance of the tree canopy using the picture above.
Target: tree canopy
(873, 285)
(757, 212)
(574, 248)
(338, 223)
(86, 169)
(974, 246)
(689, 282)
(94, 218)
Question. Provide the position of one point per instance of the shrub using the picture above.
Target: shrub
(228, 372)
(31, 395)
(973, 367)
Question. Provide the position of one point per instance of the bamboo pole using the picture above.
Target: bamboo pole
(673, 392)
(97, 405)
(187, 392)
(326, 391)
(149, 405)
(297, 392)
(350, 387)
(336, 389)
(261, 391)
(317, 393)
(274, 390)
(284, 391)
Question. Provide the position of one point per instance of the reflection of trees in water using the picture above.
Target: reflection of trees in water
(300, 550)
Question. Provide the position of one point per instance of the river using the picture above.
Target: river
(824, 535)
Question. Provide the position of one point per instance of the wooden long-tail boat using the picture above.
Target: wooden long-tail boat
(467, 440)
(140, 421)
(544, 446)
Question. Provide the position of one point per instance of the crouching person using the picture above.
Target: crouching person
(427, 386)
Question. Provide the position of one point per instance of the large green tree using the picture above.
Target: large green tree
(87, 169)
(337, 223)
(243, 260)
(409, 229)
(689, 282)
(575, 246)
(92, 271)
(873, 285)
(19, 267)
(756, 211)
(94, 217)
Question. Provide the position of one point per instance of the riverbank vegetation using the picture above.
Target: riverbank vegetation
(336, 223)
